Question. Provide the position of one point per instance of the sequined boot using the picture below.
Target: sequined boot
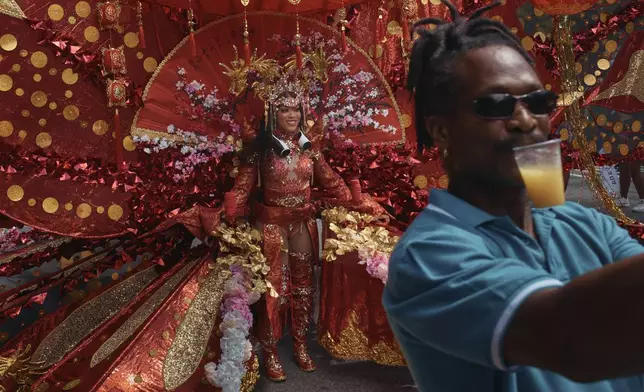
(302, 297)
(274, 370)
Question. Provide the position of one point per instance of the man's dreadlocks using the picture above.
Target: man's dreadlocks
(431, 74)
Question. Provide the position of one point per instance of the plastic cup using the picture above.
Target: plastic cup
(542, 172)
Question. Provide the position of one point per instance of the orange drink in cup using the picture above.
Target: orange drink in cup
(542, 172)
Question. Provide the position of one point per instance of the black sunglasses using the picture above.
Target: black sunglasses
(501, 106)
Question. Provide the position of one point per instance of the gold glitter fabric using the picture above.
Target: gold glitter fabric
(194, 332)
(631, 83)
(89, 316)
(250, 378)
(353, 344)
(140, 364)
(136, 320)
(11, 8)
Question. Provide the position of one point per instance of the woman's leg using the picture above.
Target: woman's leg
(301, 257)
(268, 326)
(624, 179)
(636, 176)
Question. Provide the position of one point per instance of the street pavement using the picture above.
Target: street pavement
(334, 375)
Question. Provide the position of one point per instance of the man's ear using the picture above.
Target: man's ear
(437, 131)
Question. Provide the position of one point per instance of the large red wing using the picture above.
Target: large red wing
(231, 7)
(165, 105)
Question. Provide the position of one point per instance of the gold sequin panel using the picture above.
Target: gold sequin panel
(126, 330)
(141, 367)
(353, 344)
(89, 316)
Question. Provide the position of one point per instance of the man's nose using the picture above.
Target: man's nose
(522, 119)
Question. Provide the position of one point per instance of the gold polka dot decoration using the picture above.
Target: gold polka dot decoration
(603, 64)
(24, 53)
(100, 127)
(16, 68)
(50, 205)
(20, 92)
(623, 149)
(139, 55)
(527, 43)
(69, 206)
(406, 120)
(611, 46)
(84, 124)
(53, 71)
(69, 76)
(601, 119)
(378, 51)
(83, 9)
(71, 112)
(91, 34)
(6, 128)
(128, 144)
(618, 127)
(71, 20)
(39, 99)
(43, 140)
(8, 42)
(394, 28)
(53, 105)
(39, 59)
(25, 113)
(22, 134)
(597, 73)
(579, 68)
(115, 276)
(443, 181)
(6, 83)
(115, 212)
(71, 385)
(55, 12)
(150, 64)
(564, 134)
(420, 182)
(607, 147)
(636, 126)
(15, 193)
(42, 122)
(69, 94)
(590, 80)
(31, 202)
(131, 40)
(83, 210)
(100, 210)
(435, 2)
(37, 78)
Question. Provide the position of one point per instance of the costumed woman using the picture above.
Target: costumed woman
(276, 182)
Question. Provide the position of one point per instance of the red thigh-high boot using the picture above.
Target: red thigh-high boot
(301, 306)
(268, 339)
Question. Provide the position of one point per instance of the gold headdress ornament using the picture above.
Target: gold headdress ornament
(286, 91)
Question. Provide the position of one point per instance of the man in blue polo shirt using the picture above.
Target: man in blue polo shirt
(484, 293)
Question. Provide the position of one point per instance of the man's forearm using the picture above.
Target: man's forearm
(591, 329)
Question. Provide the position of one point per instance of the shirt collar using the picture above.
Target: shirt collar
(459, 208)
(474, 216)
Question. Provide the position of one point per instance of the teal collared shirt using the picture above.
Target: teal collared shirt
(458, 275)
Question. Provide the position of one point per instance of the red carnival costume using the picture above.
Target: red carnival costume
(285, 215)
